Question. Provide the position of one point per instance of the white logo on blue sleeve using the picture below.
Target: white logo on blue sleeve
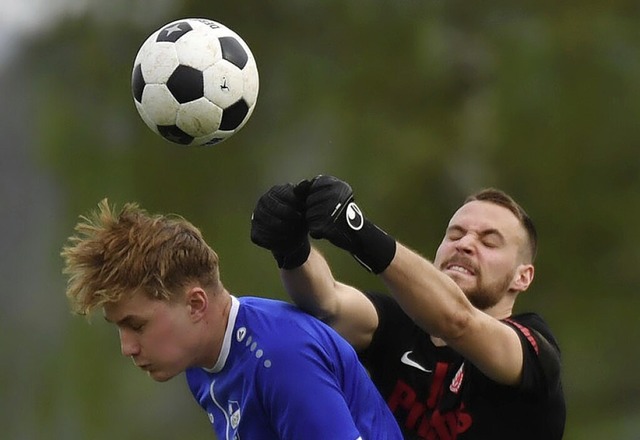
(252, 344)
(241, 333)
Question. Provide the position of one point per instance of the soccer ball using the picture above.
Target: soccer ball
(195, 82)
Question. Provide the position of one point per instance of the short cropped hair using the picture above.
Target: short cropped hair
(116, 254)
(498, 197)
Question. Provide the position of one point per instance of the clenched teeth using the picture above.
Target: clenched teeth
(460, 269)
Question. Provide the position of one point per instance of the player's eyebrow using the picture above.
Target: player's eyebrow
(126, 320)
(492, 231)
(456, 228)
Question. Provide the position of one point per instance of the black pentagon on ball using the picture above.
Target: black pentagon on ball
(137, 83)
(174, 134)
(173, 32)
(186, 84)
(233, 115)
(233, 52)
(213, 141)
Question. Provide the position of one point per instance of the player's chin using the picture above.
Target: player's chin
(463, 280)
(161, 375)
(469, 287)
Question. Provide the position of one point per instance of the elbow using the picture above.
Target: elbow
(455, 325)
(316, 309)
(322, 305)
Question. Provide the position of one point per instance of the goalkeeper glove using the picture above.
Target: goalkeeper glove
(332, 214)
(278, 224)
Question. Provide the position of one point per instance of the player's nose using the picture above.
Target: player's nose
(128, 344)
(465, 244)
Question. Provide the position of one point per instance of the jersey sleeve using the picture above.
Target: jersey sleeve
(302, 396)
(391, 321)
(541, 362)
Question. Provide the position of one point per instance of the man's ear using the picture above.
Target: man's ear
(523, 277)
(197, 302)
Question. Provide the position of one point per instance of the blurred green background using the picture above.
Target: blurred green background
(415, 103)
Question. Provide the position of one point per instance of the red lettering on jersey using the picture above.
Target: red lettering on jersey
(424, 418)
(403, 396)
(436, 384)
(464, 420)
(442, 430)
(444, 426)
(417, 410)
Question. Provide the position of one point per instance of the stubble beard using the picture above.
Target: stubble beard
(484, 297)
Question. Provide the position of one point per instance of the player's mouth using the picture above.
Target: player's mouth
(459, 267)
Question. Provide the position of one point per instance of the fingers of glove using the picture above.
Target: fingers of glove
(279, 227)
(327, 199)
(283, 194)
(277, 223)
(328, 192)
(301, 190)
(267, 238)
(278, 205)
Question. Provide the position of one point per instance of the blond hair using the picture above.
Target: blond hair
(113, 255)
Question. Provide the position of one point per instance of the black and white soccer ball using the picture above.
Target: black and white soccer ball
(195, 82)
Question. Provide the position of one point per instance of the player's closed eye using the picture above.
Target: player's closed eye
(134, 326)
(454, 234)
(137, 327)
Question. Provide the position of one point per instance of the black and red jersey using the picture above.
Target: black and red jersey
(435, 394)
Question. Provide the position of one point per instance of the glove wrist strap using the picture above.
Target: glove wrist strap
(376, 250)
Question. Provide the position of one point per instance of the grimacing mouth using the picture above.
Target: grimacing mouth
(460, 266)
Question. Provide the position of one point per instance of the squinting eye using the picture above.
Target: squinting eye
(491, 243)
(454, 235)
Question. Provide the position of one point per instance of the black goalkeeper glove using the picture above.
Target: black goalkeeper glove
(332, 214)
(278, 224)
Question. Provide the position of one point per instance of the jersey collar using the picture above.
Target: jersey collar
(226, 343)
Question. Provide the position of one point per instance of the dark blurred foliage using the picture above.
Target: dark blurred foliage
(416, 104)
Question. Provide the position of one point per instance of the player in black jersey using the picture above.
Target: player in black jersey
(445, 351)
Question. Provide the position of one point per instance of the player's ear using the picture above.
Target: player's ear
(197, 301)
(523, 277)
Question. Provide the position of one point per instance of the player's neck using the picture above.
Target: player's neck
(215, 329)
(502, 310)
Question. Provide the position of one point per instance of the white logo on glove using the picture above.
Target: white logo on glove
(354, 217)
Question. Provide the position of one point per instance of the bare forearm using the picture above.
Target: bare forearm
(438, 306)
(312, 286)
(314, 289)
(427, 295)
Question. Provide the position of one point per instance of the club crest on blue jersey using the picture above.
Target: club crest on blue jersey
(234, 414)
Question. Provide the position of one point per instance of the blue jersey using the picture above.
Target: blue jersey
(283, 374)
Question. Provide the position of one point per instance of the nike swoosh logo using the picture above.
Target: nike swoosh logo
(405, 360)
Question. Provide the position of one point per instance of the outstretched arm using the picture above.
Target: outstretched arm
(425, 294)
(437, 305)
